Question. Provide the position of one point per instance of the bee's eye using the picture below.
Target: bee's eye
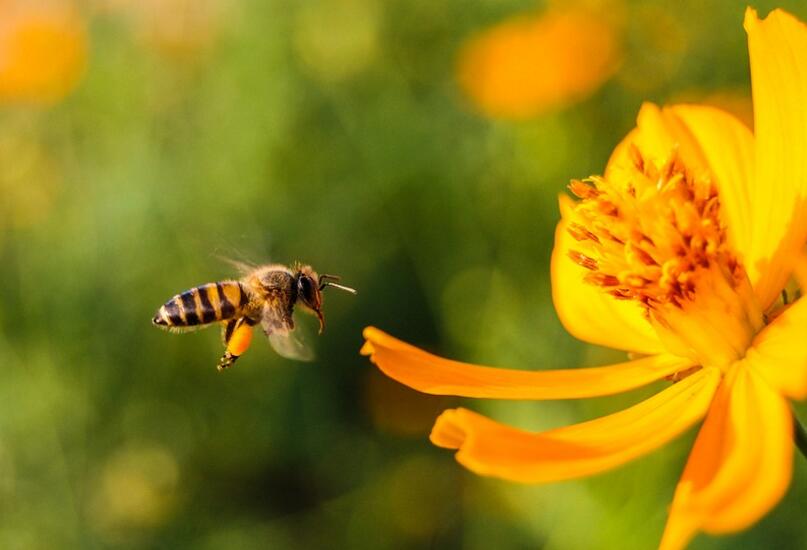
(307, 289)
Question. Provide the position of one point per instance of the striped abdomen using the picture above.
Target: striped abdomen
(202, 305)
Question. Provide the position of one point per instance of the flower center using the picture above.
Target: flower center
(652, 234)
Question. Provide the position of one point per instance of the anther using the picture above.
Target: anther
(583, 190)
(580, 233)
(601, 279)
(636, 157)
(583, 260)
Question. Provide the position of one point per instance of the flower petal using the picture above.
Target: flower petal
(657, 135)
(708, 140)
(741, 463)
(777, 47)
(586, 311)
(726, 146)
(489, 448)
(779, 354)
(428, 373)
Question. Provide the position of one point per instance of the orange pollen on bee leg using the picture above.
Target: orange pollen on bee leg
(653, 234)
(240, 340)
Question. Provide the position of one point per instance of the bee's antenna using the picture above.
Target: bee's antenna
(331, 280)
(323, 284)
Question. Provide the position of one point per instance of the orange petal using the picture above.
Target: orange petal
(800, 270)
(779, 354)
(489, 448)
(428, 373)
(778, 50)
(587, 312)
(740, 465)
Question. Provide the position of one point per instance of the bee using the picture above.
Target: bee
(266, 294)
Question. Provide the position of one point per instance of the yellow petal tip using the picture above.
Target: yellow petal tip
(367, 349)
(372, 337)
(370, 332)
(750, 16)
(448, 431)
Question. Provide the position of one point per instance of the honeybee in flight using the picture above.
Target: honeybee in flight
(265, 295)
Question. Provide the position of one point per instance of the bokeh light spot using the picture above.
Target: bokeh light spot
(43, 51)
(529, 64)
(337, 39)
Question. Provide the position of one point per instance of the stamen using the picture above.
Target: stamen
(681, 374)
(583, 260)
(583, 190)
(653, 234)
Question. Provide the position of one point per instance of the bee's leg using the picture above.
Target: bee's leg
(227, 360)
(227, 328)
(237, 338)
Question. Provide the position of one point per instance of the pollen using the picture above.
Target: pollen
(652, 233)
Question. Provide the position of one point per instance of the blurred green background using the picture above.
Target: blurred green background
(332, 132)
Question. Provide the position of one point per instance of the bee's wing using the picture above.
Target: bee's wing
(291, 347)
(279, 328)
(244, 268)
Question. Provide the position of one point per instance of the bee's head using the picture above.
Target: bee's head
(308, 292)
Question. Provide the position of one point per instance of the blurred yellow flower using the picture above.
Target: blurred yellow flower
(43, 50)
(528, 65)
(337, 39)
(136, 491)
(685, 244)
(30, 181)
(179, 30)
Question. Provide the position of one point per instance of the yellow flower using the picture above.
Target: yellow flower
(527, 65)
(685, 245)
